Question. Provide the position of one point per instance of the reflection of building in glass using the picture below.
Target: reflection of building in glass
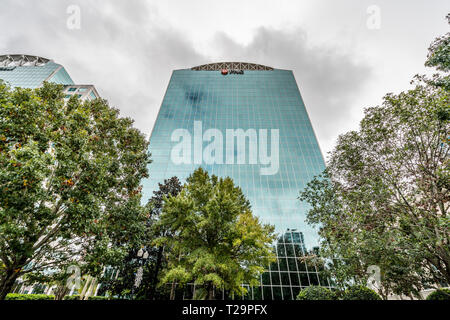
(251, 97)
(295, 268)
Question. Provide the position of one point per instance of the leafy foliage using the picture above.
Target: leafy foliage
(384, 198)
(439, 57)
(77, 297)
(439, 294)
(214, 239)
(152, 266)
(316, 293)
(72, 297)
(170, 188)
(18, 296)
(69, 183)
(98, 298)
(360, 293)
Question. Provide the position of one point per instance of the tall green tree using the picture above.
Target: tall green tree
(126, 268)
(384, 198)
(215, 241)
(170, 188)
(69, 181)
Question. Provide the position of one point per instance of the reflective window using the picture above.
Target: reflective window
(256, 100)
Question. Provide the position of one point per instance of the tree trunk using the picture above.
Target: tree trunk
(155, 273)
(172, 291)
(61, 291)
(7, 282)
(210, 292)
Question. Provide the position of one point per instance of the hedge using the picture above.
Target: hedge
(360, 293)
(439, 294)
(20, 296)
(77, 297)
(316, 293)
(99, 298)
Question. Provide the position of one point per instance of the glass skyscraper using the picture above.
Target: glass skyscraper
(28, 71)
(248, 122)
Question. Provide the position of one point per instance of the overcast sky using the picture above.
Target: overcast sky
(345, 54)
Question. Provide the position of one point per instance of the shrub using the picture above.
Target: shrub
(99, 298)
(77, 297)
(316, 293)
(360, 293)
(439, 294)
(19, 296)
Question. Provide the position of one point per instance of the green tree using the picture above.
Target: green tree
(439, 57)
(214, 241)
(170, 188)
(439, 294)
(384, 198)
(360, 293)
(123, 232)
(316, 293)
(152, 266)
(69, 182)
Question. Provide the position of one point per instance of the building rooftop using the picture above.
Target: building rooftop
(231, 66)
(19, 60)
(28, 71)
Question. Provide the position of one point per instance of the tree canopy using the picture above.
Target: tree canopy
(384, 198)
(214, 239)
(125, 269)
(70, 177)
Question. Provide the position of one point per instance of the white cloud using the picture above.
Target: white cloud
(128, 49)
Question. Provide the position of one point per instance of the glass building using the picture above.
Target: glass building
(272, 157)
(27, 71)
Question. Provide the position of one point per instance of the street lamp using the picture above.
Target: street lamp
(142, 255)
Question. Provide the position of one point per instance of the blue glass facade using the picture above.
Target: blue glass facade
(33, 76)
(62, 77)
(255, 99)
